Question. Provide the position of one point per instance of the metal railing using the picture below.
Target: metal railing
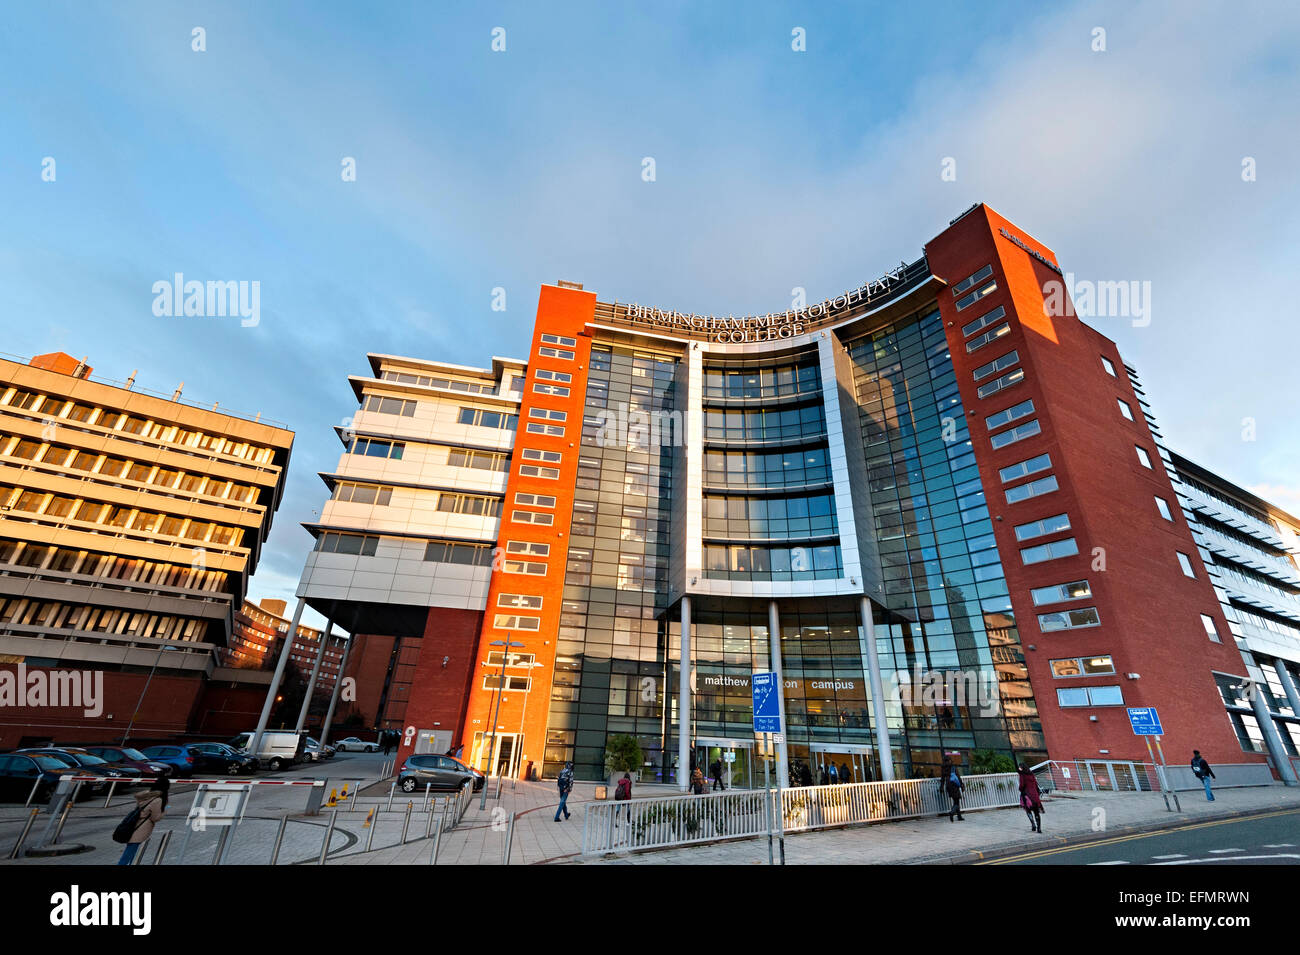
(1109, 775)
(661, 822)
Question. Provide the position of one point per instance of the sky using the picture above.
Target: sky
(1143, 142)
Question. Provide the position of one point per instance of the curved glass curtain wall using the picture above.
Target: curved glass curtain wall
(769, 507)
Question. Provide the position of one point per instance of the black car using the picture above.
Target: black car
(220, 758)
(88, 763)
(20, 772)
(130, 758)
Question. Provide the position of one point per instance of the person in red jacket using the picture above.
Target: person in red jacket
(1031, 799)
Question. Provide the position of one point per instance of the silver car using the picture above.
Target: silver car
(438, 772)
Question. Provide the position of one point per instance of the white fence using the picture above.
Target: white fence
(666, 821)
(1100, 775)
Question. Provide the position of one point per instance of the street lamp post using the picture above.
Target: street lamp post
(519, 741)
(501, 687)
(140, 702)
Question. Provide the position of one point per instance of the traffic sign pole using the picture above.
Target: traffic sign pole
(1160, 776)
(1178, 807)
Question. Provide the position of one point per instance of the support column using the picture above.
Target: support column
(684, 701)
(1281, 760)
(255, 744)
(782, 748)
(1288, 685)
(315, 671)
(884, 752)
(334, 697)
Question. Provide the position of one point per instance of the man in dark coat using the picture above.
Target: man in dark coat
(1201, 768)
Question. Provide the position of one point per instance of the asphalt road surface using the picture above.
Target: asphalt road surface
(1270, 839)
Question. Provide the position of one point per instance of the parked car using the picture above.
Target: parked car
(438, 772)
(132, 758)
(179, 756)
(480, 778)
(220, 758)
(314, 752)
(279, 748)
(354, 745)
(19, 772)
(88, 763)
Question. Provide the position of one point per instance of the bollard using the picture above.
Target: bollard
(63, 816)
(510, 838)
(162, 847)
(428, 824)
(370, 839)
(225, 842)
(32, 795)
(139, 853)
(112, 788)
(391, 790)
(279, 838)
(437, 839)
(325, 846)
(18, 846)
(406, 823)
(427, 787)
(352, 800)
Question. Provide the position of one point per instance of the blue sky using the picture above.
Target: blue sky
(775, 169)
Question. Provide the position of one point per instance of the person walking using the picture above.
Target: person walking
(149, 808)
(833, 774)
(715, 770)
(565, 784)
(954, 787)
(1031, 798)
(622, 793)
(845, 775)
(805, 775)
(697, 781)
(821, 775)
(1203, 772)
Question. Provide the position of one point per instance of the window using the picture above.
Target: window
(454, 552)
(363, 493)
(997, 384)
(532, 470)
(1023, 492)
(492, 681)
(1083, 666)
(984, 321)
(520, 601)
(377, 449)
(529, 548)
(482, 418)
(482, 460)
(559, 353)
(1060, 593)
(548, 414)
(1185, 563)
(334, 542)
(997, 364)
(992, 335)
(469, 504)
(524, 567)
(558, 390)
(1163, 507)
(1110, 369)
(510, 621)
(560, 340)
(535, 500)
(532, 517)
(1210, 630)
(1090, 696)
(1069, 620)
(1143, 457)
(1025, 468)
(966, 301)
(1018, 433)
(533, 454)
(1124, 409)
(1048, 525)
(382, 405)
(552, 430)
(968, 281)
(1062, 548)
(545, 374)
(1008, 415)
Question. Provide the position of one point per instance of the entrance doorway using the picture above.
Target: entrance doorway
(504, 761)
(733, 758)
(856, 757)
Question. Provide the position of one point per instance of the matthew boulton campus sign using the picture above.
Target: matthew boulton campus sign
(773, 325)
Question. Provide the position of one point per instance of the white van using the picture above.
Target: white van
(280, 748)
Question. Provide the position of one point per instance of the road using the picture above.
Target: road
(1270, 839)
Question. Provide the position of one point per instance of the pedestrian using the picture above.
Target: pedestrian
(834, 774)
(715, 770)
(149, 808)
(1031, 799)
(953, 786)
(821, 776)
(845, 775)
(1203, 772)
(805, 775)
(623, 791)
(697, 781)
(565, 784)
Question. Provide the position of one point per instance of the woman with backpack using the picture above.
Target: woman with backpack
(950, 783)
(622, 792)
(1031, 799)
(697, 781)
(139, 822)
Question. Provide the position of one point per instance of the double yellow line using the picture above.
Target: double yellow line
(1038, 854)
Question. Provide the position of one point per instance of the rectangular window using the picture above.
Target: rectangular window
(1110, 369)
(1186, 564)
(532, 470)
(1163, 507)
(382, 405)
(550, 457)
(1043, 552)
(454, 552)
(363, 493)
(1210, 630)
(997, 364)
(535, 500)
(469, 504)
(524, 567)
(1090, 696)
(545, 374)
(519, 601)
(1023, 492)
(559, 353)
(1124, 409)
(1008, 415)
(510, 621)
(997, 384)
(970, 298)
(1143, 458)
(984, 321)
(482, 460)
(970, 280)
(377, 449)
(1083, 666)
(992, 335)
(551, 430)
(1018, 433)
(1048, 525)
(1069, 620)
(1060, 593)
(548, 414)
(333, 542)
(557, 390)
(1024, 468)
(560, 340)
(528, 548)
(532, 517)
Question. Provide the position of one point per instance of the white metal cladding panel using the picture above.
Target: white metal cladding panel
(425, 520)
(396, 574)
(844, 517)
(437, 421)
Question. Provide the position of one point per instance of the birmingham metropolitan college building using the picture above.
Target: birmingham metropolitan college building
(945, 518)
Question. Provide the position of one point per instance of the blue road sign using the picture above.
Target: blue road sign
(767, 705)
(1145, 721)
